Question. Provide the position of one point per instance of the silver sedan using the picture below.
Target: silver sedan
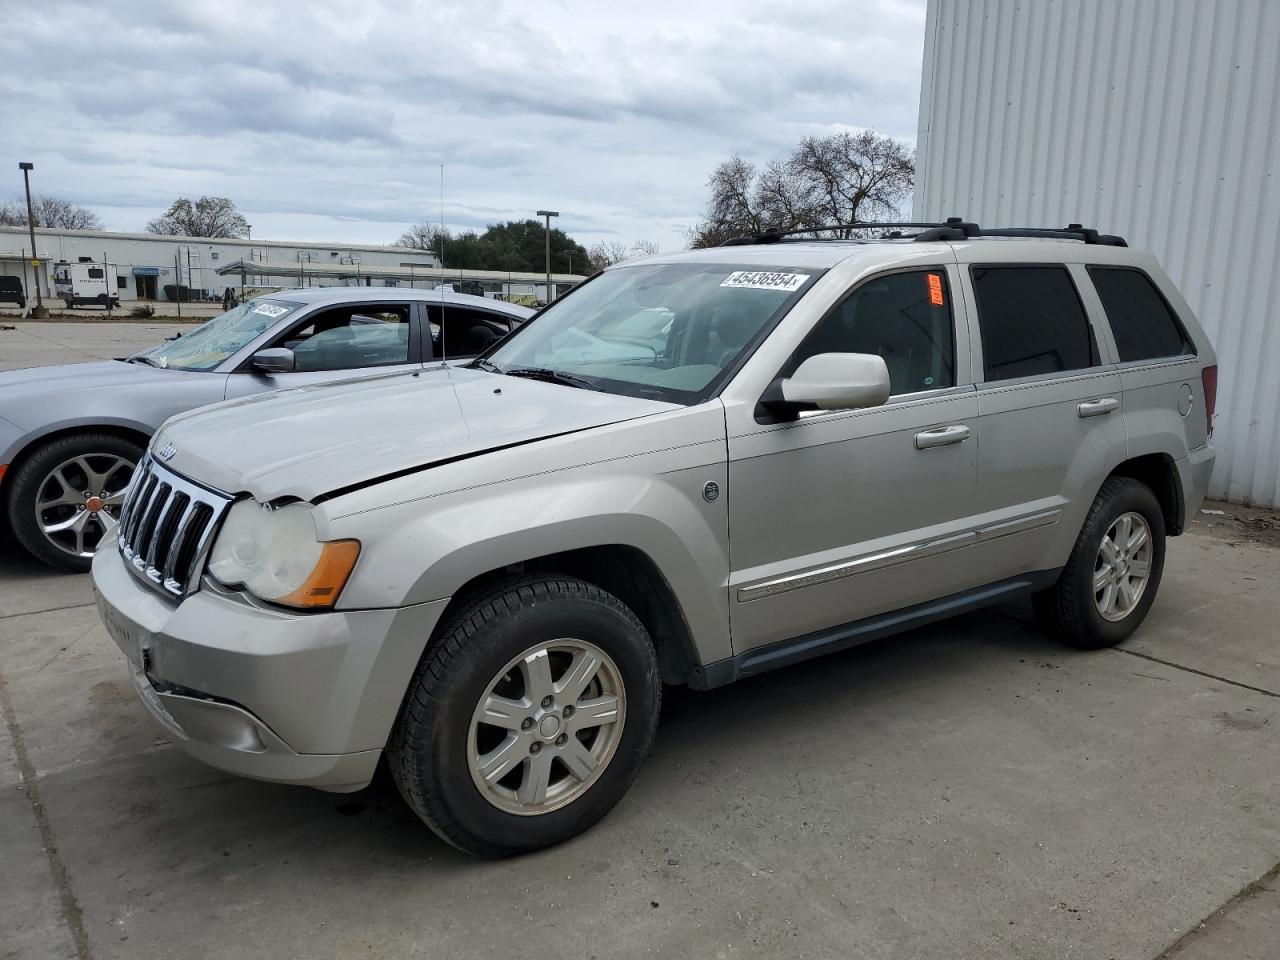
(71, 435)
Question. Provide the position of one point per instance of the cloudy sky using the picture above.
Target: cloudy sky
(329, 121)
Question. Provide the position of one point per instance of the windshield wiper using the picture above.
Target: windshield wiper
(550, 376)
(141, 358)
(486, 365)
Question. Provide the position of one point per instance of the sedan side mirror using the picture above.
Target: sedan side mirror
(831, 381)
(273, 360)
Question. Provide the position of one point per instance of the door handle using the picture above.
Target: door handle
(940, 437)
(1096, 408)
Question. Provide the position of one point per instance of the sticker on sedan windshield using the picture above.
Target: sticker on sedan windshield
(270, 310)
(765, 280)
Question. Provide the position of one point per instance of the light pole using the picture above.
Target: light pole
(40, 313)
(249, 230)
(548, 214)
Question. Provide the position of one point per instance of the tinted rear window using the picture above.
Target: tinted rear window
(1144, 325)
(1032, 322)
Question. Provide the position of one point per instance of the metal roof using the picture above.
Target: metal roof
(351, 271)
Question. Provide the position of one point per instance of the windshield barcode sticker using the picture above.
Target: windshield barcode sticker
(765, 280)
(270, 310)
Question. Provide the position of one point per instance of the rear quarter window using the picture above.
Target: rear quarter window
(1144, 325)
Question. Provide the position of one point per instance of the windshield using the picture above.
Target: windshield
(670, 331)
(207, 346)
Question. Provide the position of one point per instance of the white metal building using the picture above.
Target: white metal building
(147, 263)
(1158, 120)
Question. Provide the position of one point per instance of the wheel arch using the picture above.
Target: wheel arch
(34, 441)
(625, 571)
(1158, 472)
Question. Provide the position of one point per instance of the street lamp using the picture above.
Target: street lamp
(39, 312)
(249, 230)
(548, 214)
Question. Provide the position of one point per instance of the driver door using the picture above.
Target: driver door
(340, 343)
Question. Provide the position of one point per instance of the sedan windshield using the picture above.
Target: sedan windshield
(207, 346)
(669, 331)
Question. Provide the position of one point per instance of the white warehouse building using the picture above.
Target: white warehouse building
(144, 266)
(1159, 122)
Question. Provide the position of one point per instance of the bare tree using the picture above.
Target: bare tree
(644, 248)
(604, 254)
(50, 212)
(841, 178)
(849, 177)
(424, 236)
(206, 217)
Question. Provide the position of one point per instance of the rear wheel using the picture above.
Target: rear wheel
(1111, 578)
(529, 716)
(68, 493)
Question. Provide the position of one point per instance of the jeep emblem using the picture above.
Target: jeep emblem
(166, 452)
(710, 491)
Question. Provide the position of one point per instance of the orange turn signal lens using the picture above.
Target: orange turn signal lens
(321, 589)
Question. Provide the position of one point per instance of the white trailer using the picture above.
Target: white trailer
(81, 283)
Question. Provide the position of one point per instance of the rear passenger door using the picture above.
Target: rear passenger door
(1049, 413)
(459, 332)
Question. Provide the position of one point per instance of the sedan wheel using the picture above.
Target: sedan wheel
(80, 500)
(64, 496)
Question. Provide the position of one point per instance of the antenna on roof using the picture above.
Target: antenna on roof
(443, 355)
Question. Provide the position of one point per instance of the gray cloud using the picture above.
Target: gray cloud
(329, 114)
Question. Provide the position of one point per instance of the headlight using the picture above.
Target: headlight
(274, 554)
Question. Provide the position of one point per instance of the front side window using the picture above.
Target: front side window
(903, 317)
(208, 345)
(348, 338)
(669, 331)
(1032, 322)
(1144, 325)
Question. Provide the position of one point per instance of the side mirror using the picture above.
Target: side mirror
(273, 360)
(831, 381)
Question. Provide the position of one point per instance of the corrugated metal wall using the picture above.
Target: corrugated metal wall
(1155, 119)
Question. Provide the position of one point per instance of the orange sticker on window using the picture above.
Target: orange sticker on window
(935, 289)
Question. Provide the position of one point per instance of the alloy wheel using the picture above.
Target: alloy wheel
(546, 727)
(1123, 566)
(79, 500)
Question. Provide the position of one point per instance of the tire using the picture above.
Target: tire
(1072, 609)
(436, 747)
(62, 470)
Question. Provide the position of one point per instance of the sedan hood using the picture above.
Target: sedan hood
(316, 440)
(21, 391)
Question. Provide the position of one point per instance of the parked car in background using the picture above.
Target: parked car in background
(71, 435)
(692, 469)
(11, 291)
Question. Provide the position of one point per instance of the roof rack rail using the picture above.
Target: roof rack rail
(954, 228)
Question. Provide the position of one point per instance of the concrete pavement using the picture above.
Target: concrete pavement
(966, 790)
(33, 344)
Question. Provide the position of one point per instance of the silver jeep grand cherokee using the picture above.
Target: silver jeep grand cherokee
(691, 469)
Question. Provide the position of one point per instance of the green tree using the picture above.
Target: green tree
(517, 246)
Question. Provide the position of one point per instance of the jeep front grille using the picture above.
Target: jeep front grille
(166, 527)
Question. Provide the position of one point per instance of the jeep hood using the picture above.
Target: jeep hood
(316, 440)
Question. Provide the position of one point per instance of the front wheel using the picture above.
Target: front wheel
(68, 493)
(1114, 570)
(528, 717)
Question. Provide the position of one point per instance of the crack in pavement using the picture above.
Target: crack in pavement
(1206, 926)
(72, 915)
(1199, 673)
(33, 613)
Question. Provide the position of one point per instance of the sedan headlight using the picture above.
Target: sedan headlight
(274, 554)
